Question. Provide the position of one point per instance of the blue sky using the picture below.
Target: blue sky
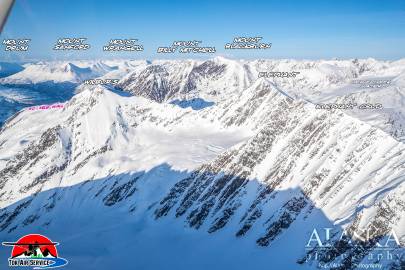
(311, 29)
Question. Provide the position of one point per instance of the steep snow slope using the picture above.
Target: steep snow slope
(14, 99)
(234, 184)
(44, 83)
(333, 82)
(165, 80)
(320, 81)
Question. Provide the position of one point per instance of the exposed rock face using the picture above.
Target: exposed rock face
(257, 167)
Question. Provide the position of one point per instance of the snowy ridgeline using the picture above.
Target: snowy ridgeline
(207, 164)
(370, 90)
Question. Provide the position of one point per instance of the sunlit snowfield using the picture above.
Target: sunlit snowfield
(200, 164)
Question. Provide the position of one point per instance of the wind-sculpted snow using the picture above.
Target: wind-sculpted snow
(234, 184)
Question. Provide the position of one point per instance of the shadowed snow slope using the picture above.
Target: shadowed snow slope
(238, 184)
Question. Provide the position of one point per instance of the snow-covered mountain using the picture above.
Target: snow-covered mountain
(57, 72)
(44, 83)
(317, 82)
(207, 166)
(164, 80)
